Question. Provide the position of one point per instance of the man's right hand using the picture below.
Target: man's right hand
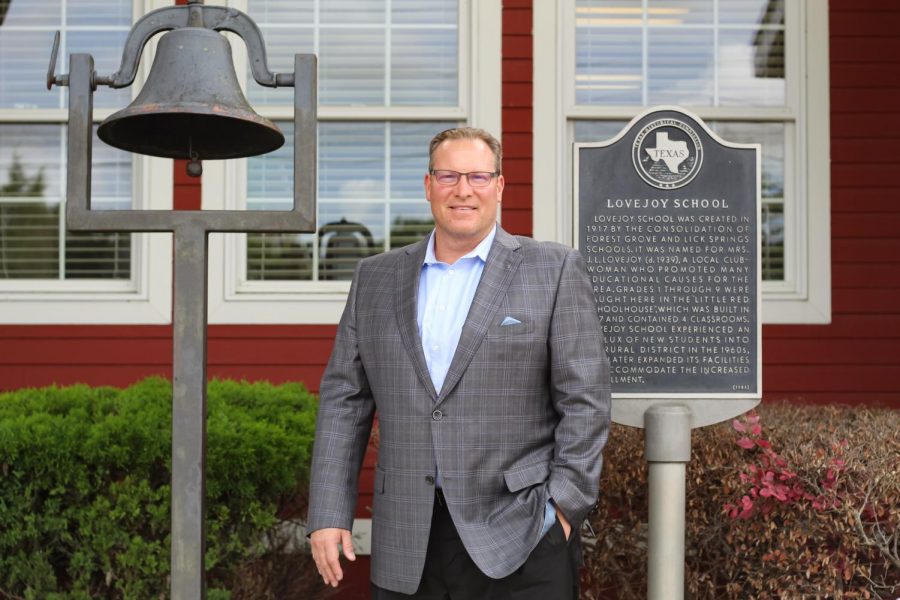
(325, 543)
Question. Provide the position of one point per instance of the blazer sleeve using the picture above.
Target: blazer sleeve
(580, 392)
(343, 425)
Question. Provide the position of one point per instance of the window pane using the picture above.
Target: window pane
(752, 12)
(281, 11)
(609, 68)
(423, 67)
(29, 240)
(29, 201)
(680, 69)
(98, 255)
(96, 13)
(425, 12)
(680, 12)
(772, 228)
(24, 56)
(616, 13)
(751, 67)
(30, 157)
(351, 11)
(29, 13)
(272, 256)
(351, 161)
(352, 66)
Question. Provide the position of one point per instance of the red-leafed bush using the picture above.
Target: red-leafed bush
(787, 502)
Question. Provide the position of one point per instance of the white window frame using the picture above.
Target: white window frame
(805, 294)
(233, 299)
(145, 298)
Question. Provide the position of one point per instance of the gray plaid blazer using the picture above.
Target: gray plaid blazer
(522, 417)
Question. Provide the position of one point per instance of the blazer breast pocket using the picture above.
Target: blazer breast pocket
(517, 347)
(512, 329)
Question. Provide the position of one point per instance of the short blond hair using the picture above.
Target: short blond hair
(467, 133)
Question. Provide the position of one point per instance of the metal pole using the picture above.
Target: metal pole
(667, 447)
(189, 414)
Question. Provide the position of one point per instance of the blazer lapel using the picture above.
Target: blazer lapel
(502, 263)
(409, 271)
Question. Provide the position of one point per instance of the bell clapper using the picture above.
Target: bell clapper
(194, 167)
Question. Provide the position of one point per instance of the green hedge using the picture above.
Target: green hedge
(85, 487)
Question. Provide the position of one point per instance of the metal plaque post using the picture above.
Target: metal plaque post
(191, 230)
(667, 448)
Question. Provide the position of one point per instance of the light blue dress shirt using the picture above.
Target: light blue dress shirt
(445, 296)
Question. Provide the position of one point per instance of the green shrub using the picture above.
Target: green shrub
(85, 488)
(802, 503)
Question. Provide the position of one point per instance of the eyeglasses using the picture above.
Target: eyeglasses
(475, 178)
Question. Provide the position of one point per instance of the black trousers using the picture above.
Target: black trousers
(550, 573)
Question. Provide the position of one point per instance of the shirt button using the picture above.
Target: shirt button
(437, 415)
(429, 479)
(442, 307)
(435, 347)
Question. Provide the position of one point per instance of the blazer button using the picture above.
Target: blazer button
(429, 479)
(437, 415)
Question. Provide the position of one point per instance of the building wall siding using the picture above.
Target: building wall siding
(856, 358)
(516, 214)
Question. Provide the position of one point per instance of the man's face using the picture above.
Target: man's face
(463, 215)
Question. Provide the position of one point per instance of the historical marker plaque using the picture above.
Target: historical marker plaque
(667, 219)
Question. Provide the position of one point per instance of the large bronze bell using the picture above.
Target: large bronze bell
(191, 105)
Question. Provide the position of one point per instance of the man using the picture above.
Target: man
(483, 355)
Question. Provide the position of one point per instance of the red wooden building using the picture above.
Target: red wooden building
(814, 81)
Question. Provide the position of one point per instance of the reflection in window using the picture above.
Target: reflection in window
(341, 245)
(33, 241)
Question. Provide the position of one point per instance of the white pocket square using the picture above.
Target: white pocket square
(509, 321)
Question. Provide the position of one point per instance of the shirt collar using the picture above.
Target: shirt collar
(481, 250)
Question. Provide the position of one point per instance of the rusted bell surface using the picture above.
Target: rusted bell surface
(191, 105)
